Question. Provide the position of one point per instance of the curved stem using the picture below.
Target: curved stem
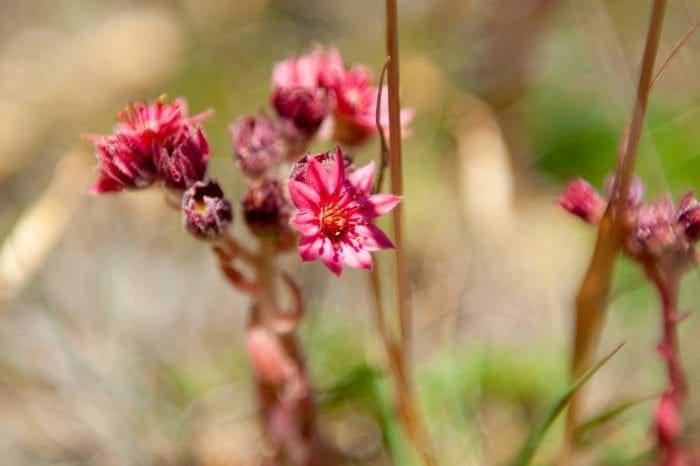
(676, 48)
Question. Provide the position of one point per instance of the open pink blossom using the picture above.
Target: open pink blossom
(335, 212)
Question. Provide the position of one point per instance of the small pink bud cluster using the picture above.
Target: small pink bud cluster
(159, 141)
(151, 141)
(660, 230)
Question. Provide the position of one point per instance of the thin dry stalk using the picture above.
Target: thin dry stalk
(593, 294)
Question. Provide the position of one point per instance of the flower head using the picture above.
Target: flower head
(308, 88)
(147, 123)
(257, 143)
(582, 200)
(298, 94)
(205, 211)
(355, 112)
(126, 157)
(182, 158)
(335, 212)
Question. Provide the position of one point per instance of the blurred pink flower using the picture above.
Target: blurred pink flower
(335, 212)
(355, 112)
(126, 158)
(120, 165)
(308, 88)
(257, 143)
(582, 200)
(298, 93)
(145, 123)
(182, 158)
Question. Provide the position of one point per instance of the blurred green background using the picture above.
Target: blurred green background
(119, 342)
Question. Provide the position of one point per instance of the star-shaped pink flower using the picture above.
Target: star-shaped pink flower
(336, 210)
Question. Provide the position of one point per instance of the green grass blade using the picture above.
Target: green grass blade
(528, 449)
(609, 414)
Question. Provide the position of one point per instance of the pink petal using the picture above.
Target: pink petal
(373, 238)
(332, 257)
(380, 204)
(337, 173)
(304, 196)
(306, 222)
(316, 176)
(356, 257)
(362, 178)
(103, 185)
(310, 247)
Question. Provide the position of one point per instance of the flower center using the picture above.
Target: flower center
(333, 221)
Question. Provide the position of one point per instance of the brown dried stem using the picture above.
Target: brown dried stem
(593, 294)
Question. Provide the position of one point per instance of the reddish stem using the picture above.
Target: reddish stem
(669, 413)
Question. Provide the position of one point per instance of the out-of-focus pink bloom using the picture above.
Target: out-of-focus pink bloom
(298, 94)
(582, 200)
(308, 88)
(182, 158)
(257, 144)
(355, 113)
(147, 123)
(636, 193)
(305, 108)
(205, 211)
(126, 157)
(335, 213)
(120, 165)
(656, 227)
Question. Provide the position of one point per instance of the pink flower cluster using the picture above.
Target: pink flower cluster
(336, 210)
(308, 89)
(151, 141)
(660, 230)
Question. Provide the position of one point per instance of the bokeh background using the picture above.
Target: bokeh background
(121, 345)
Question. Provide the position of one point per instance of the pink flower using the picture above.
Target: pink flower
(335, 212)
(126, 158)
(297, 91)
(145, 123)
(256, 143)
(582, 200)
(354, 115)
(205, 211)
(309, 88)
(182, 158)
(120, 165)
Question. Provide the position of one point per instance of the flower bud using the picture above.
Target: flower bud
(182, 159)
(257, 144)
(205, 211)
(266, 209)
(305, 108)
(121, 166)
(582, 200)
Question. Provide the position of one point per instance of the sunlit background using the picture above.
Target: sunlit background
(120, 344)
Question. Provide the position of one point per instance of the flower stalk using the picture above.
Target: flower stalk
(669, 417)
(594, 291)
